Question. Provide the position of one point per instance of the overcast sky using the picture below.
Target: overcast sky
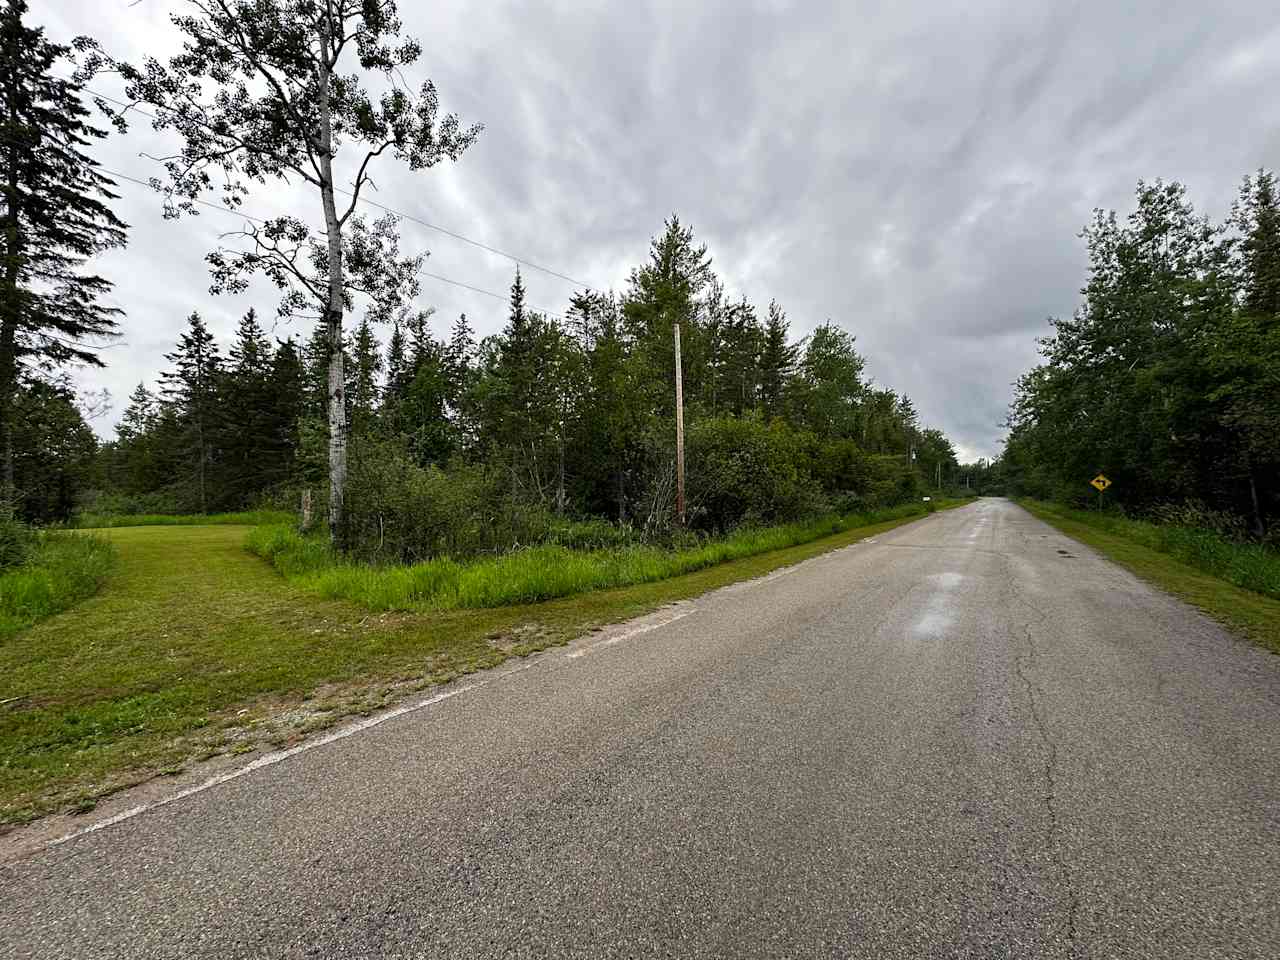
(917, 173)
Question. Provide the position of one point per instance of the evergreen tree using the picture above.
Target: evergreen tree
(54, 450)
(284, 410)
(460, 367)
(777, 362)
(191, 389)
(669, 289)
(54, 217)
(136, 464)
(366, 374)
(246, 417)
(397, 367)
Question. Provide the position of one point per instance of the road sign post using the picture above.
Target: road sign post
(1100, 483)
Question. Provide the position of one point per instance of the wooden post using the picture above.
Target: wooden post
(679, 432)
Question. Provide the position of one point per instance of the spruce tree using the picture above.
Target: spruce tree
(133, 461)
(284, 408)
(191, 388)
(366, 376)
(397, 367)
(244, 413)
(54, 217)
(777, 362)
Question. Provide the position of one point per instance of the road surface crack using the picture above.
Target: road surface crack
(1054, 834)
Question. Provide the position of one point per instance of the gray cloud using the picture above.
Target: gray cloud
(917, 175)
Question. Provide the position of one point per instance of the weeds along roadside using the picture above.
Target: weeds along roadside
(1250, 566)
(531, 574)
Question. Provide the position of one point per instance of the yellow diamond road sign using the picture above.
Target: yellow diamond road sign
(1101, 482)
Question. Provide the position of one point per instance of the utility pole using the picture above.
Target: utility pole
(679, 431)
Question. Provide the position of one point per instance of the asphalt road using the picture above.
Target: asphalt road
(971, 737)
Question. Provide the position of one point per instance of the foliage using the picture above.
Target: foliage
(461, 448)
(55, 571)
(277, 90)
(17, 541)
(55, 216)
(401, 511)
(742, 471)
(1165, 379)
(55, 451)
(534, 574)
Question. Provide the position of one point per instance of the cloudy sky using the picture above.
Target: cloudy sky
(916, 172)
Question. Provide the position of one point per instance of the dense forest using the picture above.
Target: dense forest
(1167, 377)
(460, 444)
(437, 442)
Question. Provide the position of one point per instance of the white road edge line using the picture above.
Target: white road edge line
(266, 760)
(626, 635)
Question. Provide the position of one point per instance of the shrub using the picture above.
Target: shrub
(400, 511)
(744, 471)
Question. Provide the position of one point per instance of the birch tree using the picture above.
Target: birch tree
(276, 90)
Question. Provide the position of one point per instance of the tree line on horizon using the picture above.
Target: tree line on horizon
(573, 415)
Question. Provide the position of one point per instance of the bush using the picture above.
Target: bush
(742, 471)
(116, 504)
(398, 511)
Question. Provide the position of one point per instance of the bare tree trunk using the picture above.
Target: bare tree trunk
(333, 322)
(9, 334)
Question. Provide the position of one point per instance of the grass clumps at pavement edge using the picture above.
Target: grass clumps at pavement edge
(533, 574)
(1236, 584)
(58, 570)
(1250, 566)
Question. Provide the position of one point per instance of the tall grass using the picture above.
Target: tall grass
(1250, 566)
(62, 568)
(532, 574)
(97, 521)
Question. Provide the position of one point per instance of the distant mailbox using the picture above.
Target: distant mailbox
(927, 499)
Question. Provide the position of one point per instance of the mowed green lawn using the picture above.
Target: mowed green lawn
(194, 647)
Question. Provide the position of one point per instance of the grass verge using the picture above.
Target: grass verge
(1194, 565)
(101, 521)
(531, 575)
(63, 569)
(197, 648)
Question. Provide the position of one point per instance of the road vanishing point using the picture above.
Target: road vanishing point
(968, 737)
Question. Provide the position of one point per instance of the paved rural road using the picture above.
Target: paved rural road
(969, 738)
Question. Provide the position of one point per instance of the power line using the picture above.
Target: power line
(310, 230)
(255, 219)
(399, 213)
